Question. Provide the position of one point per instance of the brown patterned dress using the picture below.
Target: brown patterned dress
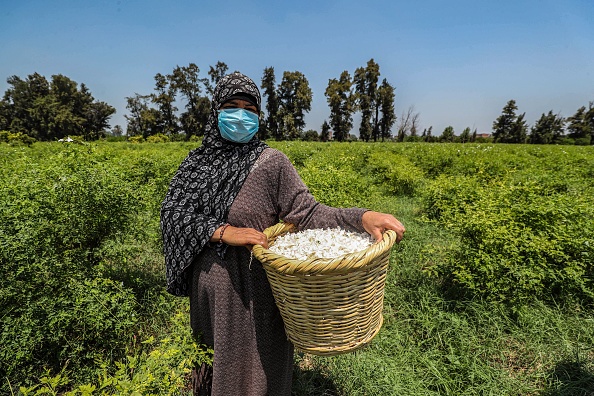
(231, 301)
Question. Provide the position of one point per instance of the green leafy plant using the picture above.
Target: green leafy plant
(519, 241)
(396, 172)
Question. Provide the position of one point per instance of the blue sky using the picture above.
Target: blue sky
(456, 62)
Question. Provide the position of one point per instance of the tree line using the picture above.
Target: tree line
(550, 128)
(286, 104)
(48, 110)
(510, 127)
(51, 110)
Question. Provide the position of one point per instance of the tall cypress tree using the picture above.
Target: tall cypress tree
(364, 104)
(325, 134)
(386, 105)
(272, 103)
(366, 80)
(342, 105)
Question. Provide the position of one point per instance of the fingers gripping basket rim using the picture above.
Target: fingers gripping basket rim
(328, 306)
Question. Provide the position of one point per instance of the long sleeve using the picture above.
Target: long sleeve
(274, 191)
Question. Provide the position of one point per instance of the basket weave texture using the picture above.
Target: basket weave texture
(329, 306)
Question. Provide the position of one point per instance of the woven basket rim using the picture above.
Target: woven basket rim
(345, 263)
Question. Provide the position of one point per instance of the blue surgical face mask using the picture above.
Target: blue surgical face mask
(238, 125)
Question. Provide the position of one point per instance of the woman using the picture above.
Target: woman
(224, 194)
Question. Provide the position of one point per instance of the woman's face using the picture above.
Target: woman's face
(239, 104)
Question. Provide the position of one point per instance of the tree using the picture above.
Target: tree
(427, 134)
(547, 129)
(186, 81)
(159, 115)
(414, 125)
(66, 106)
(447, 135)
(364, 104)
(96, 118)
(295, 98)
(325, 134)
(465, 135)
(409, 123)
(365, 80)
(342, 105)
(52, 110)
(311, 136)
(386, 105)
(581, 125)
(272, 103)
(20, 112)
(590, 119)
(215, 73)
(519, 130)
(19, 105)
(117, 131)
(509, 127)
(53, 120)
(164, 99)
(502, 126)
(291, 130)
(143, 119)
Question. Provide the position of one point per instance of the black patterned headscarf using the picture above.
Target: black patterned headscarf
(204, 187)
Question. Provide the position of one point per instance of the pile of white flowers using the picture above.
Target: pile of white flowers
(320, 243)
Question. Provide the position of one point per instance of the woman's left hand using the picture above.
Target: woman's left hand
(376, 223)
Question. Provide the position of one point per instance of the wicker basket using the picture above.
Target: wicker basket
(329, 306)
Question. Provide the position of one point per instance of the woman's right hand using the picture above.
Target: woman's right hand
(240, 236)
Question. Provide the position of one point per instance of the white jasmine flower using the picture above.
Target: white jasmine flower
(320, 243)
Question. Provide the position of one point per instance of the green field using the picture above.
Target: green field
(490, 293)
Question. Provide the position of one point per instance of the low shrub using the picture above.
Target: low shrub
(73, 324)
(449, 196)
(396, 172)
(54, 306)
(155, 367)
(136, 139)
(16, 138)
(334, 186)
(157, 138)
(518, 243)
